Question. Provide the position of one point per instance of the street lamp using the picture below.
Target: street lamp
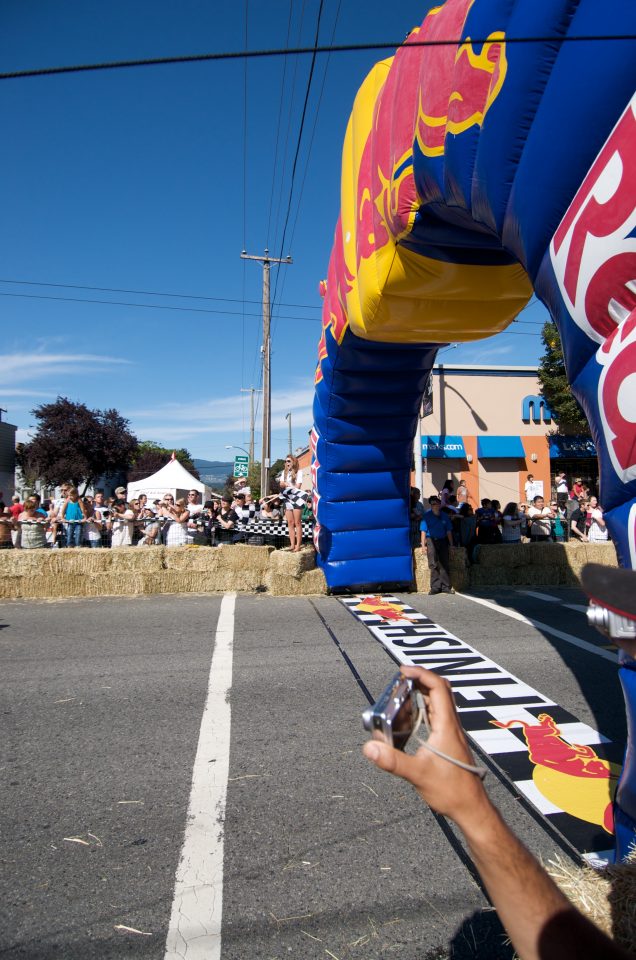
(232, 446)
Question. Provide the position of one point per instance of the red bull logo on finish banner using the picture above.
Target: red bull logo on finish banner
(387, 611)
(570, 775)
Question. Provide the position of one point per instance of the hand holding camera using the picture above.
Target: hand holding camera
(443, 770)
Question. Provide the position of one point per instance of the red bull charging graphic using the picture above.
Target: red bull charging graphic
(570, 775)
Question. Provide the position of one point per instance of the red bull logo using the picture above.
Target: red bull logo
(448, 88)
(570, 775)
(457, 85)
(385, 609)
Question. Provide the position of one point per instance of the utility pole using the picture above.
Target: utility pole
(266, 350)
(251, 391)
(289, 426)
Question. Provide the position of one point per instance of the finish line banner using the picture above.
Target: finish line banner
(566, 770)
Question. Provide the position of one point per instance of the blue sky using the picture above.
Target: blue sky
(154, 179)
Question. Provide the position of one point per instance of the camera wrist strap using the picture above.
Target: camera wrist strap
(469, 767)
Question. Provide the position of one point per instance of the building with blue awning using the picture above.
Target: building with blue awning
(489, 426)
(499, 447)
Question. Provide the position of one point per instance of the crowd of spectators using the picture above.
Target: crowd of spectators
(573, 514)
(94, 521)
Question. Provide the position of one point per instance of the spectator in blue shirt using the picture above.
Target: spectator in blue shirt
(437, 539)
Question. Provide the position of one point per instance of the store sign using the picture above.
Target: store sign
(562, 447)
(443, 447)
(536, 408)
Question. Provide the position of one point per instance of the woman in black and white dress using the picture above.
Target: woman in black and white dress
(290, 481)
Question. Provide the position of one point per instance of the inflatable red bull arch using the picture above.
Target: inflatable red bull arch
(492, 157)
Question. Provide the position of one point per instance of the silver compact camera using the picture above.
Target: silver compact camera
(395, 714)
(611, 624)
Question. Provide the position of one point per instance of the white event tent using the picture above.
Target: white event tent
(172, 478)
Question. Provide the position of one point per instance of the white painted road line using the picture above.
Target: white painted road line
(545, 628)
(577, 607)
(540, 596)
(197, 907)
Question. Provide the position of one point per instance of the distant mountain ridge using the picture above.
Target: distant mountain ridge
(214, 472)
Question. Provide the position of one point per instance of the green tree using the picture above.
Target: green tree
(151, 457)
(555, 386)
(74, 443)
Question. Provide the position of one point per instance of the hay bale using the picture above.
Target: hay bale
(607, 897)
(22, 562)
(193, 581)
(501, 555)
(458, 570)
(136, 560)
(228, 556)
(421, 572)
(284, 563)
(241, 557)
(10, 587)
(191, 558)
(311, 583)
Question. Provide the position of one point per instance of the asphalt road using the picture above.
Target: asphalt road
(102, 703)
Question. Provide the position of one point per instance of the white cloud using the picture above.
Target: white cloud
(221, 415)
(20, 367)
(13, 392)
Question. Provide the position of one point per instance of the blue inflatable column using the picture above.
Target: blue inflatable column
(365, 415)
(625, 803)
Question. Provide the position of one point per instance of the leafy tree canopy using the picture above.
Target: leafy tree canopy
(555, 387)
(73, 443)
(151, 456)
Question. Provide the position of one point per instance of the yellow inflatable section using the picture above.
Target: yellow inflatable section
(393, 294)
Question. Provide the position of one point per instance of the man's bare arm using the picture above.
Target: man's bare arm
(541, 922)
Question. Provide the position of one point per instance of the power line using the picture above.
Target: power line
(313, 131)
(294, 51)
(158, 306)
(298, 142)
(278, 125)
(147, 306)
(152, 293)
(311, 143)
(287, 133)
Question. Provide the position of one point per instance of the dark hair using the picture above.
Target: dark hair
(538, 497)
(433, 500)
(511, 509)
(448, 485)
(485, 501)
